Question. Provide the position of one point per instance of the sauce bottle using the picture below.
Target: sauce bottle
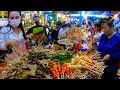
(28, 44)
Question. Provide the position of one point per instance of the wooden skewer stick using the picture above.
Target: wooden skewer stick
(40, 43)
(10, 57)
(18, 50)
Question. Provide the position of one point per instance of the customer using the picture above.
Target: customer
(38, 32)
(90, 29)
(99, 32)
(13, 34)
(62, 31)
(55, 31)
(48, 30)
(109, 48)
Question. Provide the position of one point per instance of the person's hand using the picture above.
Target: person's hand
(50, 33)
(93, 41)
(11, 43)
(106, 58)
(32, 36)
(29, 36)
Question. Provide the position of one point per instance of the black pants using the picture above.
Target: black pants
(109, 75)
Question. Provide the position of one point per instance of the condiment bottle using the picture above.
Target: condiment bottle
(28, 44)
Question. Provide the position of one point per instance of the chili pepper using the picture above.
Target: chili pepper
(70, 72)
(91, 64)
(67, 70)
(59, 68)
(55, 72)
(63, 69)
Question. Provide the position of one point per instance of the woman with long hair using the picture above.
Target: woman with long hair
(13, 35)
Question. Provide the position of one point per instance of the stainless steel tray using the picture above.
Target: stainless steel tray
(67, 42)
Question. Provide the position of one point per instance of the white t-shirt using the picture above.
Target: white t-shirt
(61, 33)
(47, 31)
(97, 36)
(6, 34)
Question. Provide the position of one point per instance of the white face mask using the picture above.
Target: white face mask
(15, 23)
(3, 22)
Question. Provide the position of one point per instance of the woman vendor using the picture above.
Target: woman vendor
(109, 49)
(13, 34)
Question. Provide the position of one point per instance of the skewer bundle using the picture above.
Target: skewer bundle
(84, 63)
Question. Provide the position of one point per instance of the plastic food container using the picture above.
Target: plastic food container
(84, 49)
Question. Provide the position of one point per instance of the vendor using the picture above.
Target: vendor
(109, 48)
(13, 34)
(38, 32)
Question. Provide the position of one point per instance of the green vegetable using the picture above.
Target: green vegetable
(74, 37)
(64, 53)
(66, 61)
(63, 37)
(63, 57)
(82, 70)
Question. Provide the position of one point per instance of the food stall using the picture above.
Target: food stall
(74, 62)
(71, 57)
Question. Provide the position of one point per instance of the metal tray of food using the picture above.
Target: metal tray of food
(90, 74)
(67, 42)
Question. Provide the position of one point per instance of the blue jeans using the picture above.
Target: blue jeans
(51, 39)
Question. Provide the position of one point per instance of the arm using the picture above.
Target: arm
(29, 33)
(67, 30)
(59, 35)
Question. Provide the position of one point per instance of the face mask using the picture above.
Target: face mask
(3, 22)
(15, 23)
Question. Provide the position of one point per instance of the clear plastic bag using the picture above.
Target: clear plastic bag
(17, 50)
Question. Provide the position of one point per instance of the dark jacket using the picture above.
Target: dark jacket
(54, 34)
(111, 47)
(45, 38)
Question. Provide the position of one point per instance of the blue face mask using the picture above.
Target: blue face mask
(15, 23)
